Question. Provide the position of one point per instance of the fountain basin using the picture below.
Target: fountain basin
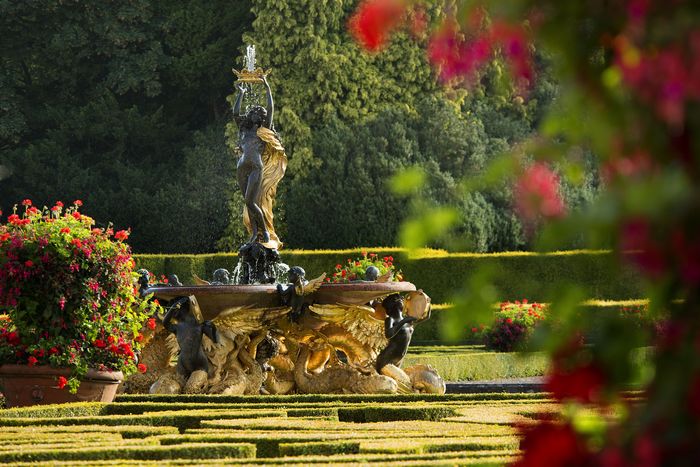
(213, 299)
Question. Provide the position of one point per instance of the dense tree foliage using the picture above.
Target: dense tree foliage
(124, 106)
(102, 101)
(351, 120)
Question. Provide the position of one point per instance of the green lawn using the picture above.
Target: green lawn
(474, 362)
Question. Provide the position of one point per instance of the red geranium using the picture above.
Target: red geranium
(62, 381)
(582, 383)
(121, 235)
(552, 444)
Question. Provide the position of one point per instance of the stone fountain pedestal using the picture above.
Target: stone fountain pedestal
(330, 346)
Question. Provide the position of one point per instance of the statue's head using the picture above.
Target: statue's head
(181, 308)
(393, 304)
(222, 275)
(144, 275)
(256, 115)
(296, 274)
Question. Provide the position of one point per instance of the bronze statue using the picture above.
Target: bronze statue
(398, 329)
(221, 277)
(189, 331)
(298, 293)
(260, 168)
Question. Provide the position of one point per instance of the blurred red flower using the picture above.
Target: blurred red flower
(583, 383)
(694, 397)
(374, 20)
(552, 445)
(141, 367)
(536, 193)
(639, 244)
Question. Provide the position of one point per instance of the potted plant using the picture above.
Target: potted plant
(70, 315)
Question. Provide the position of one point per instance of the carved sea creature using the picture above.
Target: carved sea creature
(425, 379)
(339, 379)
(241, 330)
(158, 353)
(353, 329)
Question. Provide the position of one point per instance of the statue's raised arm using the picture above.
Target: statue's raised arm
(237, 117)
(270, 104)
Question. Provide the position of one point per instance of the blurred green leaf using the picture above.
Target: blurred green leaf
(431, 224)
(474, 304)
(408, 181)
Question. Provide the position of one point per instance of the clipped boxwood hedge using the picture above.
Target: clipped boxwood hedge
(320, 447)
(177, 399)
(442, 274)
(181, 419)
(369, 414)
(377, 429)
(183, 451)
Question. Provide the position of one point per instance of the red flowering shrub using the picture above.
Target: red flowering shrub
(356, 269)
(512, 325)
(67, 292)
(630, 93)
(581, 383)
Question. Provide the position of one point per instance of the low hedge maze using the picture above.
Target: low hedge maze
(271, 430)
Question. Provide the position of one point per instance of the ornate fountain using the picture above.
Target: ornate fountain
(266, 328)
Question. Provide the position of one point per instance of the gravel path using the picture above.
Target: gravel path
(530, 384)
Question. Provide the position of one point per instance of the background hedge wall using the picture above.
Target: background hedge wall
(441, 274)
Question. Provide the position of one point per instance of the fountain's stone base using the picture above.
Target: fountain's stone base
(331, 348)
(257, 264)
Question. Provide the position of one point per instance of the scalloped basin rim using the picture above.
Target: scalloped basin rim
(213, 299)
(269, 288)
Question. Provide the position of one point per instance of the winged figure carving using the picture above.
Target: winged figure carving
(354, 329)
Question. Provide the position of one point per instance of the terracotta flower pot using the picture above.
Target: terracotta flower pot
(25, 385)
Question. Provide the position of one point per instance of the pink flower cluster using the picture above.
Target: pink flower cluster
(451, 50)
(536, 193)
(456, 54)
(667, 78)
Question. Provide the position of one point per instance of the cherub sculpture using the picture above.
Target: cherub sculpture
(398, 329)
(182, 321)
(221, 277)
(297, 294)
